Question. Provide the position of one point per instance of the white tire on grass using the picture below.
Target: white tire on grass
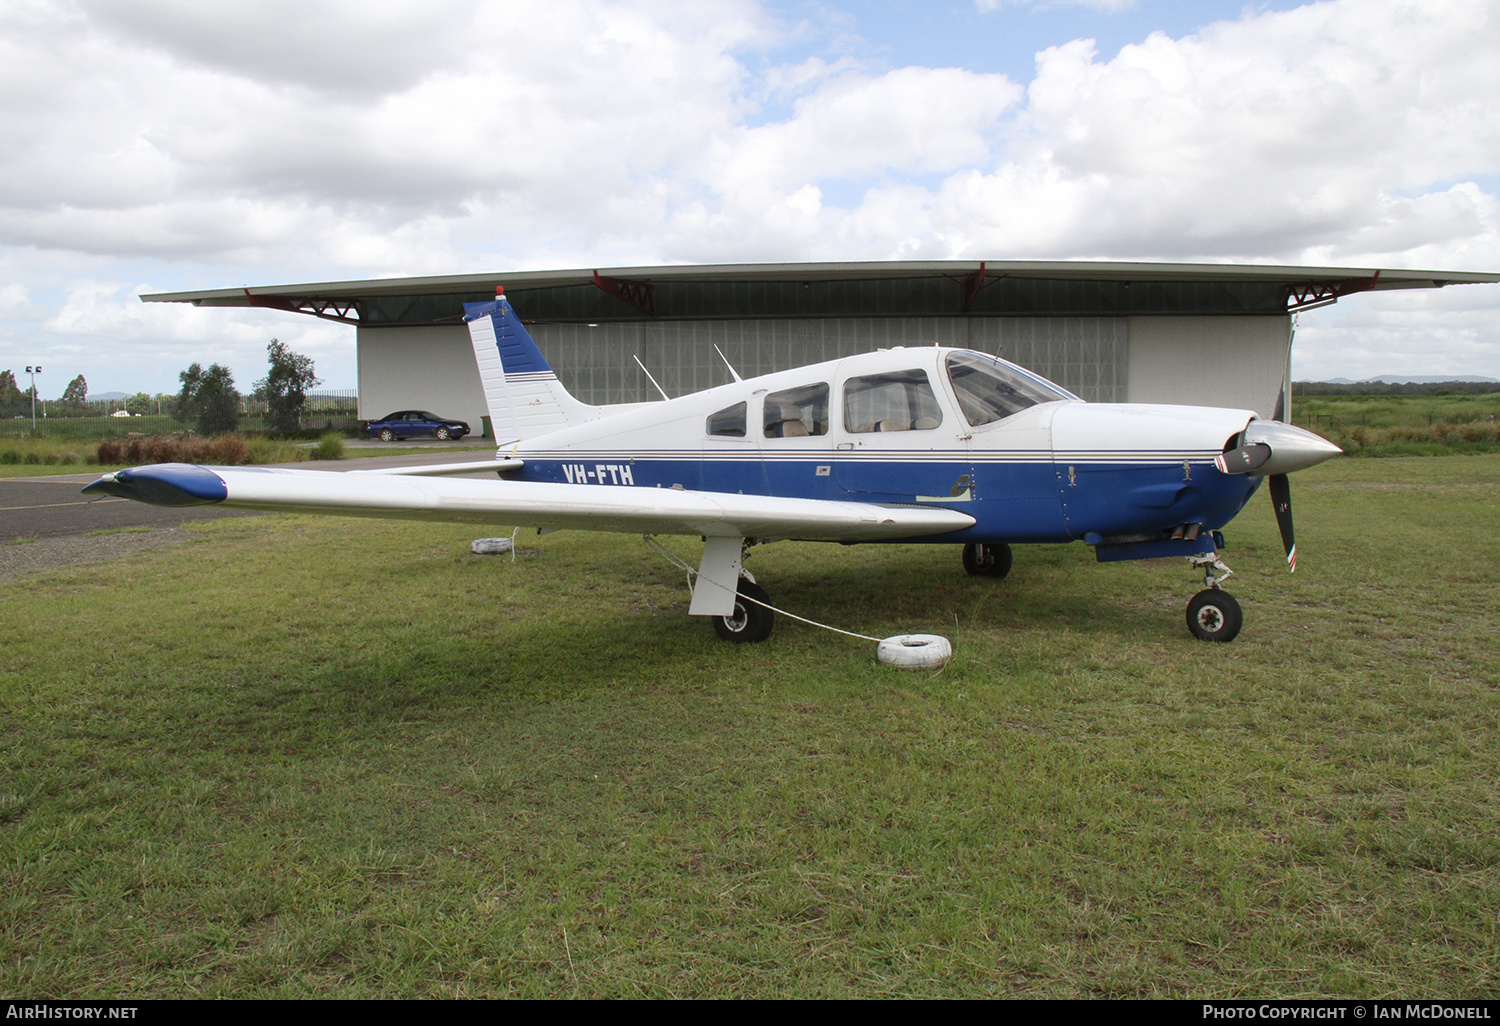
(915, 651)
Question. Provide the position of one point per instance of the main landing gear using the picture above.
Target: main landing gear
(750, 621)
(1213, 614)
(987, 560)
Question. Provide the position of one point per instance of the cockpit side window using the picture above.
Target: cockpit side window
(899, 401)
(797, 412)
(730, 422)
(989, 389)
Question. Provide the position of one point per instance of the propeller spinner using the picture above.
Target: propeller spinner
(1273, 450)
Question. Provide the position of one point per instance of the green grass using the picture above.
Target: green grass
(299, 757)
(1415, 425)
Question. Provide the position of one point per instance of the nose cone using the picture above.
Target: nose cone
(1292, 448)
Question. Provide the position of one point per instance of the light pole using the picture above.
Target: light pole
(33, 371)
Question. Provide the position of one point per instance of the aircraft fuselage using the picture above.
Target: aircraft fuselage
(898, 427)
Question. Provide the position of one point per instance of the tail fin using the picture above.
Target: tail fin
(524, 396)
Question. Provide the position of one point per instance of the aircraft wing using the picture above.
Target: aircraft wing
(526, 503)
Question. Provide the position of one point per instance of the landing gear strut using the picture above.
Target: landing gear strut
(1213, 614)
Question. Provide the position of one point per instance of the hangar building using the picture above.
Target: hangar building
(1200, 334)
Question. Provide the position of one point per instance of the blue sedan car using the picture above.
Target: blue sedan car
(415, 424)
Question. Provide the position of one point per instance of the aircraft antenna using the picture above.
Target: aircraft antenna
(644, 371)
(728, 364)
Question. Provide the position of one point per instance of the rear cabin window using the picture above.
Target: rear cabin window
(797, 412)
(900, 401)
(989, 389)
(730, 422)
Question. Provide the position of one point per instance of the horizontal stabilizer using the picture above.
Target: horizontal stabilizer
(499, 466)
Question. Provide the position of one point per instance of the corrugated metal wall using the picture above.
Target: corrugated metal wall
(1087, 355)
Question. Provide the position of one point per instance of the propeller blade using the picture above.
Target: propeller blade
(1281, 500)
(1244, 459)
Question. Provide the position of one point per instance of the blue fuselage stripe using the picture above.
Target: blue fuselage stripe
(1030, 499)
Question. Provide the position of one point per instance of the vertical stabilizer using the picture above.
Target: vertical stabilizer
(524, 396)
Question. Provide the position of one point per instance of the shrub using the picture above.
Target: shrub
(223, 450)
(329, 447)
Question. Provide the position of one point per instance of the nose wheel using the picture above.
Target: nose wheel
(1213, 614)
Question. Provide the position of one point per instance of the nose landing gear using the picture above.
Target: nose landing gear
(1213, 614)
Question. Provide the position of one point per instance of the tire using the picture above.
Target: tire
(1214, 615)
(387, 435)
(915, 651)
(749, 622)
(987, 560)
(443, 434)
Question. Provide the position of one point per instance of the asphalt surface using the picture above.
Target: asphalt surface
(47, 521)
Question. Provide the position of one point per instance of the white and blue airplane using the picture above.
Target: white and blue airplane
(911, 445)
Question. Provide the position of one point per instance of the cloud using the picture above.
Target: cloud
(1103, 6)
(328, 139)
(103, 326)
(1273, 136)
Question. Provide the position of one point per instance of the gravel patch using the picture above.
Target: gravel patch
(17, 560)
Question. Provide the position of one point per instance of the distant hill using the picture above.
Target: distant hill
(1430, 384)
(1422, 378)
(1408, 379)
(109, 396)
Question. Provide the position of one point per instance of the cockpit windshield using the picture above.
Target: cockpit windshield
(989, 389)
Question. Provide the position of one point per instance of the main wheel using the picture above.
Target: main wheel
(387, 435)
(1214, 615)
(749, 621)
(987, 560)
(443, 434)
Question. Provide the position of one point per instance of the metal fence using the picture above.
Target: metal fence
(332, 410)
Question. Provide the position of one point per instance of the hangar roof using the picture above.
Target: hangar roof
(887, 288)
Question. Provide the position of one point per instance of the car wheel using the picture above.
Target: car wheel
(443, 434)
(387, 435)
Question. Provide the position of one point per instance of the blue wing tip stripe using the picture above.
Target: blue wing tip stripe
(163, 484)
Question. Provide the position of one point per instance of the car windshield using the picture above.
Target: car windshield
(989, 389)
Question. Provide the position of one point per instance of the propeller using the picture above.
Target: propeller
(1273, 449)
(1281, 502)
(1281, 496)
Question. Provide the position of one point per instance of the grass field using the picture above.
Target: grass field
(1404, 425)
(301, 757)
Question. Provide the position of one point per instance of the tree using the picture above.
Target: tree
(209, 398)
(77, 391)
(140, 404)
(285, 388)
(185, 406)
(11, 395)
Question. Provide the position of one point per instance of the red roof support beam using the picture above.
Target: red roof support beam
(345, 311)
(974, 284)
(639, 294)
(1302, 295)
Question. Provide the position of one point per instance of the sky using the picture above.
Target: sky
(168, 145)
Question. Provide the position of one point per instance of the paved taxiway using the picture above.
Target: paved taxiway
(53, 507)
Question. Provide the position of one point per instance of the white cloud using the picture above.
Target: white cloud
(1103, 6)
(103, 325)
(326, 139)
